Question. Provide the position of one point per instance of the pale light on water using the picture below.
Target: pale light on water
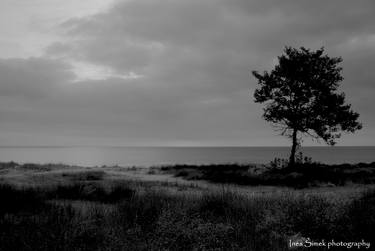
(150, 156)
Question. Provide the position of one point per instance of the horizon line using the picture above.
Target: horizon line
(168, 146)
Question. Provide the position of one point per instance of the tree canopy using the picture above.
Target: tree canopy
(301, 96)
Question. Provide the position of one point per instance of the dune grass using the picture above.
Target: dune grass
(84, 175)
(305, 174)
(87, 216)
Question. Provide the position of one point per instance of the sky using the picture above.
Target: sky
(167, 72)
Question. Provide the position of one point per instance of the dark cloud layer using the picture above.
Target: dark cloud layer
(194, 58)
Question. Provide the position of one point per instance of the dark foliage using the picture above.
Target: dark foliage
(19, 200)
(304, 173)
(210, 168)
(85, 175)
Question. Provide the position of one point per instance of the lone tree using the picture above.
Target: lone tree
(301, 97)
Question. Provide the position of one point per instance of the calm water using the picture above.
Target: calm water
(148, 156)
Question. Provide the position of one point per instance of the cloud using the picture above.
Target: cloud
(164, 71)
(33, 77)
(213, 38)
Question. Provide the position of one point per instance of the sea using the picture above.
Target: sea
(158, 156)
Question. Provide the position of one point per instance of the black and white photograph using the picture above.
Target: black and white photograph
(187, 125)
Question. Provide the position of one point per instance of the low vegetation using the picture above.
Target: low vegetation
(87, 216)
(31, 166)
(66, 208)
(303, 174)
(84, 175)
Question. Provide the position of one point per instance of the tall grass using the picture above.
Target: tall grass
(47, 219)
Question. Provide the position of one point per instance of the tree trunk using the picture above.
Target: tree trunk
(294, 148)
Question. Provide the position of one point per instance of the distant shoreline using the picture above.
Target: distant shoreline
(151, 156)
(110, 146)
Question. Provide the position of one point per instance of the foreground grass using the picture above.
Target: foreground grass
(86, 216)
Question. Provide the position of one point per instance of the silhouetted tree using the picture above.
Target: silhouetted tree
(301, 96)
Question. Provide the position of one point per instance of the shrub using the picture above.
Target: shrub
(278, 163)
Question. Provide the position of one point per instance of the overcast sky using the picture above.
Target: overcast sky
(167, 72)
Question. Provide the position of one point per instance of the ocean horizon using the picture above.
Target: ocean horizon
(162, 155)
